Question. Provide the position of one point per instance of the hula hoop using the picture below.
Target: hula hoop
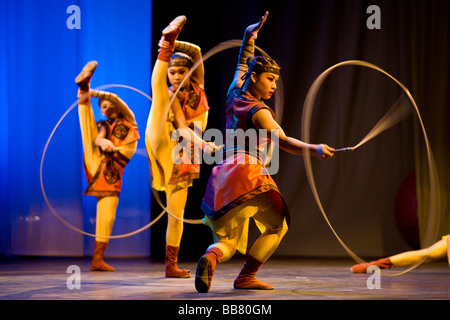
(55, 213)
(434, 202)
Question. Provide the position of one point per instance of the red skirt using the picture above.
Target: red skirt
(238, 178)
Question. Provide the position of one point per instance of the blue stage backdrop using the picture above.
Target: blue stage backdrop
(44, 45)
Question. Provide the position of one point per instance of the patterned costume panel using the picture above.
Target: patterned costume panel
(107, 180)
(163, 170)
(242, 175)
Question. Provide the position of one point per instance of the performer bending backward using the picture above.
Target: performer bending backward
(437, 251)
(238, 189)
(188, 107)
(108, 147)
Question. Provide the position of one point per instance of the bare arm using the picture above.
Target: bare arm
(187, 133)
(263, 119)
(103, 143)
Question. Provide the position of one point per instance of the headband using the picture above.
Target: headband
(180, 62)
(260, 69)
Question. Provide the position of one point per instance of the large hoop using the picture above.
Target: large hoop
(434, 193)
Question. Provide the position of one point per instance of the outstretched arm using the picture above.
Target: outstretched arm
(263, 119)
(247, 50)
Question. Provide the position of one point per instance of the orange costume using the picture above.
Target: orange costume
(167, 123)
(248, 177)
(108, 146)
(163, 170)
(240, 187)
(194, 104)
(107, 181)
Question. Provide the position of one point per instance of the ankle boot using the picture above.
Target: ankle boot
(170, 34)
(97, 263)
(205, 269)
(171, 260)
(384, 263)
(246, 279)
(85, 75)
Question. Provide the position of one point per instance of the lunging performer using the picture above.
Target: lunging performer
(240, 187)
(189, 107)
(108, 147)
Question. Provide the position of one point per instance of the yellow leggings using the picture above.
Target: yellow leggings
(106, 206)
(175, 196)
(176, 201)
(160, 101)
(434, 252)
(270, 217)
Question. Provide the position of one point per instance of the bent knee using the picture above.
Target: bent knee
(279, 229)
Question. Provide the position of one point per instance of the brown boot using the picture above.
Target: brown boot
(205, 269)
(171, 260)
(384, 263)
(246, 279)
(97, 263)
(85, 75)
(170, 34)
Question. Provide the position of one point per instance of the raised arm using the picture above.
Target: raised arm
(118, 103)
(247, 50)
(194, 51)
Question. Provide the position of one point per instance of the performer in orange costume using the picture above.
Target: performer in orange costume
(240, 188)
(189, 108)
(108, 146)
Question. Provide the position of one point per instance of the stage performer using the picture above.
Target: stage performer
(189, 107)
(108, 147)
(437, 251)
(238, 189)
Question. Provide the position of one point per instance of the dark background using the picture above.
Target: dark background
(306, 37)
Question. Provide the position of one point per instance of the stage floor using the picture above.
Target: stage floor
(143, 279)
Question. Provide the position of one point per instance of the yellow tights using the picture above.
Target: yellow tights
(176, 201)
(106, 206)
(273, 220)
(434, 252)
